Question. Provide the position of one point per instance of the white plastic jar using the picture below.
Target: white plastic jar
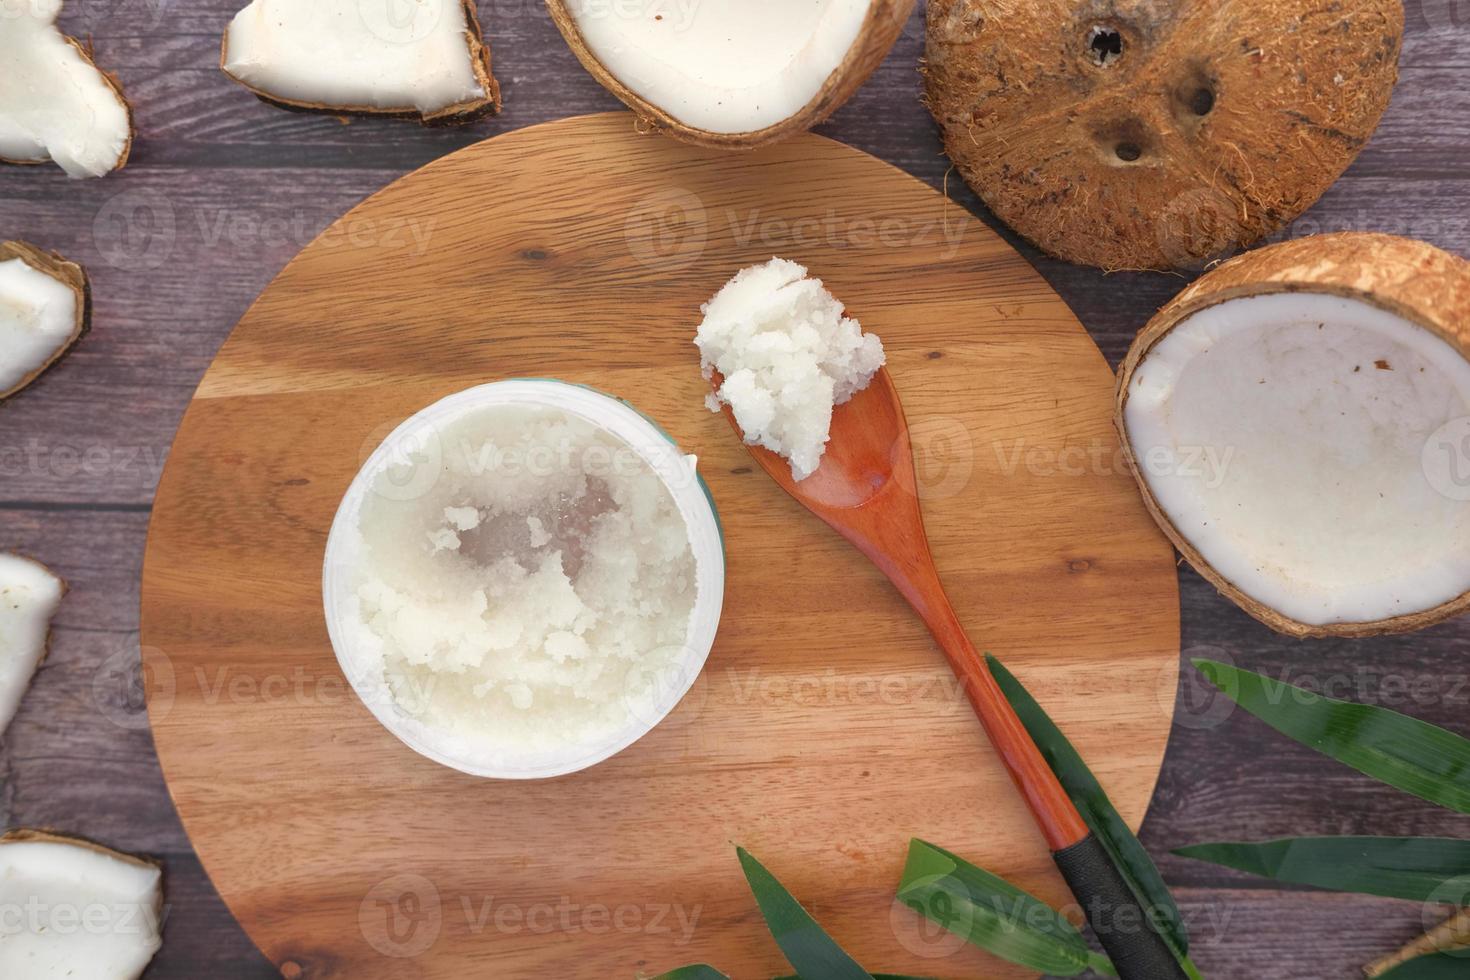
(415, 678)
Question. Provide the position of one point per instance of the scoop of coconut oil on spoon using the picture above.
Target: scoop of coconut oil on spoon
(866, 489)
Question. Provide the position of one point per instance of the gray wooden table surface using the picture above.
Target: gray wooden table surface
(223, 190)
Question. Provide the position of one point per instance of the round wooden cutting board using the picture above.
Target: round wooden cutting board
(826, 730)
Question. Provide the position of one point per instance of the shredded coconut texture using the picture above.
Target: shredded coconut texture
(538, 595)
(788, 355)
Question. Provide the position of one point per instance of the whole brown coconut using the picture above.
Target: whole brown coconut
(1148, 134)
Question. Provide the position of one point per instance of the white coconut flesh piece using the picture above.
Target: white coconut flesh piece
(55, 103)
(29, 597)
(81, 911)
(1289, 439)
(42, 313)
(724, 67)
(727, 73)
(354, 57)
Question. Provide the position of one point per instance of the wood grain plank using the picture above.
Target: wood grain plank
(206, 146)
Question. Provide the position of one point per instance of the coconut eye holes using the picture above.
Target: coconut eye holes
(1105, 45)
(1202, 102)
(1126, 140)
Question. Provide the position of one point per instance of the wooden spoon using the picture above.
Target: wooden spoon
(866, 488)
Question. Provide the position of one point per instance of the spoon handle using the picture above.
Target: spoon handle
(1126, 930)
(1055, 814)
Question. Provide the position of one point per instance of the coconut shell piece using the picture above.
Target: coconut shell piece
(111, 84)
(69, 274)
(23, 835)
(58, 874)
(1138, 134)
(1410, 279)
(30, 595)
(880, 30)
(458, 114)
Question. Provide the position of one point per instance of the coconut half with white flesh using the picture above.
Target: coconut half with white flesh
(29, 597)
(426, 59)
(83, 912)
(727, 74)
(1299, 423)
(45, 308)
(55, 103)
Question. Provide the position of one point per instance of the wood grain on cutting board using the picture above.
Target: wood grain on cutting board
(825, 731)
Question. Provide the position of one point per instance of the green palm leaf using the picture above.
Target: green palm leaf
(1411, 755)
(806, 946)
(1097, 810)
(1415, 868)
(1437, 966)
(993, 914)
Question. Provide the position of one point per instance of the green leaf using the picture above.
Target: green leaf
(1411, 755)
(1436, 966)
(695, 971)
(1102, 818)
(806, 946)
(994, 914)
(1416, 868)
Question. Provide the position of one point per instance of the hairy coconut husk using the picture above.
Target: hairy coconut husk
(112, 82)
(1144, 134)
(69, 274)
(1410, 279)
(458, 114)
(881, 28)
